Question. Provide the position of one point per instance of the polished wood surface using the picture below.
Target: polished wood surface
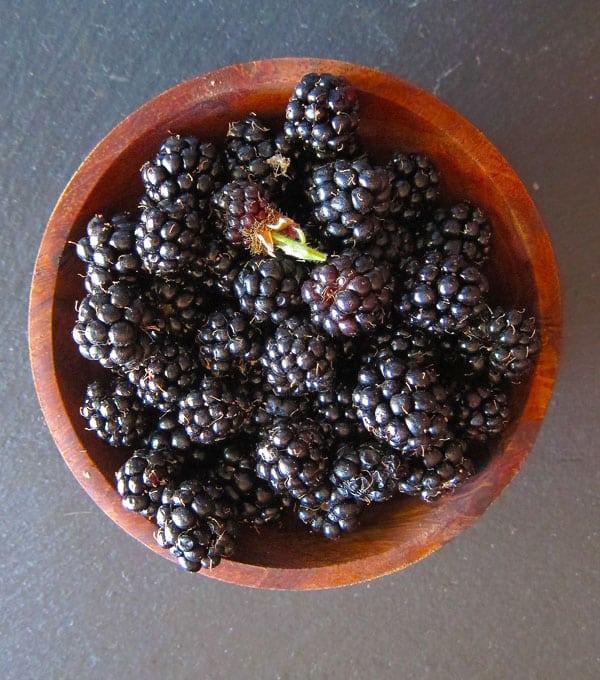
(394, 115)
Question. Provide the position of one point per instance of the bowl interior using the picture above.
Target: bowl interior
(394, 116)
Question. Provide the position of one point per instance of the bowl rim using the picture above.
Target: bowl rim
(46, 272)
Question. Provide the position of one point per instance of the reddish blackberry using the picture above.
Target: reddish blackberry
(441, 470)
(326, 511)
(368, 472)
(269, 288)
(480, 412)
(322, 114)
(292, 456)
(115, 413)
(349, 294)
(298, 359)
(215, 410)
(180, 304)
(416, 186)
(195, 524)
(350, 199)
(229, 345)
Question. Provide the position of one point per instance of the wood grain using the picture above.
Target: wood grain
(394, 115)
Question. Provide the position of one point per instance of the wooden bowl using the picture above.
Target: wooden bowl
(394, 115)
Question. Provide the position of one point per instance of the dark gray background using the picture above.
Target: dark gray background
(514, 596)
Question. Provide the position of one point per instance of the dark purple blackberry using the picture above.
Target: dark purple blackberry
(195, 524)
(322, 114)
(115, 413)
(143, 477)
(269, 288)
(215, 410)
(326, 511)
(335, 408)
(293, 456)
(349, 295)
(180, 304)
(298, 359)
(351, 199)
(112, 326)
(222, 262)
(480, 411)
(184, 165)
(253, 499)
(416, 190)
(439, 471)
(167, 374)
(229, 345)
(402, 403)
(269, 408)
(170, 434)
(393, 243)
(413, 345)
(368, 472)
(460, 230)
(447, 292)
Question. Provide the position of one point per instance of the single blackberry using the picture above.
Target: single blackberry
(229, 345)
(253, 499)
(112, 326)
(402, 403)
(393, 243)
(215, 410)
(269, 288)
(326, 511)
(180, 304)
(170, 434)
(322, 114)
(349, 295)
(184, 165)
(269, 408)
(298, 359)
(445, 294)
(221, 262)
(462, 229)
(416, 186)
(368, 472)
(413, 345)
(350, 199)
(115, 413)
(292, 456)
(195, 524)
(143, 477)
(335, 407)
(480, 411)
(167, 374)
(440, 471)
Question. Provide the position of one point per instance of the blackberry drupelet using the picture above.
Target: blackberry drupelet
(416, 186)
(326, 511)
(480, 411)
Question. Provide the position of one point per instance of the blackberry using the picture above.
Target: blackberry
(413, 345)
(143, 477)
(368, 472)
(350, 199)
(215, 410)
(349, 295)
(269, 408)
(229, 345)
(222, 262)
(292, 456)
(480, 412)
(322, 115)
(298, 359)
(269, 288)
(393, 243)
(167, 374)
(195, 524)
(416, 186)
(439, 472)
(326, 511)
(335, 408)
(170, 434)
(115, 413)
(180, 304)
(445, 294)
(462, 229)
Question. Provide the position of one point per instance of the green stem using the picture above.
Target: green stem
(301, 251)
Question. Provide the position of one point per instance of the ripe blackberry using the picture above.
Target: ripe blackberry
(322, 114)
(349, 294)
(269, 288)
(326, 511)
(229, 345)
(195, 524)
(402, 403)
(112, 326)
(142, 479)
(269, 408)
(184, 165)
(215, 410)
(393, 243)
(445, 294)
(115, 413)
(180, 304)
(170, 434)
(416, 186)
(222, 262)
(167, 374)
(350, 199)
(368, 472)
(292, 456)
(298, 359)
(335, 408)
(440, 471)
(480, 411)
(410, 344)
(462, 229)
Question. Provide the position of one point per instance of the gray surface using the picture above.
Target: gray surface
(514, 596)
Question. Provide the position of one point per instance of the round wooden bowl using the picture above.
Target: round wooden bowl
(394, 115)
